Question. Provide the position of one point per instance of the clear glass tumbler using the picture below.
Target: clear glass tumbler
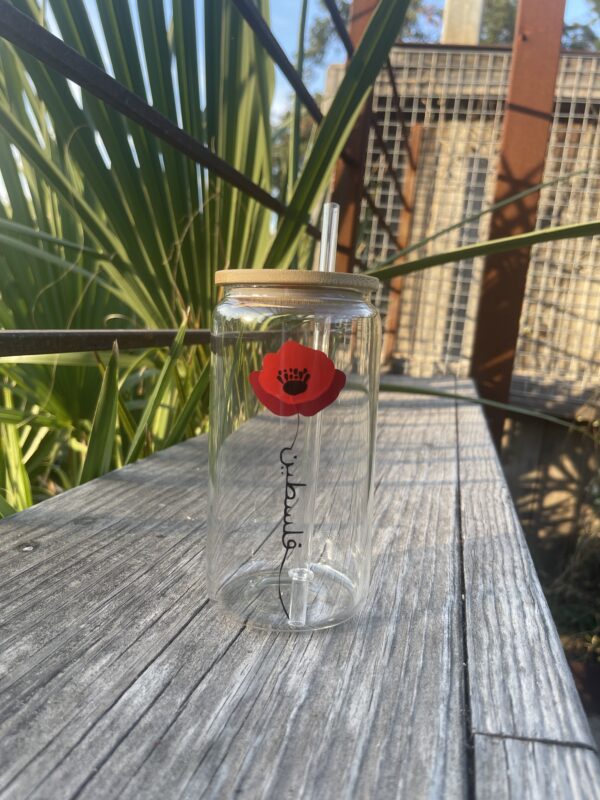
(294, 384)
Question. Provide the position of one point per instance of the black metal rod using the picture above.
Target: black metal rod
(41, 342)
(340, 26)
(400, 112)
(25, 33)
(389, 161)
(265, 36)
(342, 32)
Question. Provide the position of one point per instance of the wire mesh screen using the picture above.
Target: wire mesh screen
(457, 95)
(558, 356)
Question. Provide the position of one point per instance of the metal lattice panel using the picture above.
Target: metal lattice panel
(457, 94)
(558, 355)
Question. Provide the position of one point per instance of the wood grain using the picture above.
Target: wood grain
(510, 769)
(120, 679)
(519, 679)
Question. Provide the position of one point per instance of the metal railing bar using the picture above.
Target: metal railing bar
(49, 342)
(340, 26)
(265, 36)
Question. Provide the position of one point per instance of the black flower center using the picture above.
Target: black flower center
(294, 381)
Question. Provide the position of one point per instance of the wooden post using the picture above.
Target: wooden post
(349, 178)
(525, 135)
(390, 329)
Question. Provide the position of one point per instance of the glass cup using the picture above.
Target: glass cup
(294, 384)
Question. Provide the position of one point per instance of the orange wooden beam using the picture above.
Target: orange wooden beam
(525, 135)
(349, 177)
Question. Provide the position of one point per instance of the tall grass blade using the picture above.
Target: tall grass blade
(189, 408)
(481, 401)
(104, 426)
(152, 406)
(514, 198)
(16, 479)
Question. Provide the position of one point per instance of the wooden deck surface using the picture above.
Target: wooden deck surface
(118, 678)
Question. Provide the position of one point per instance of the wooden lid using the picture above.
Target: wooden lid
(296, 277)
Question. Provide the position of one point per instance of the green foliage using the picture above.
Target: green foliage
(6, 510)
(102, 224)
(104, 426)
(105, 225)
(578, 36)
(152, 406)
(335, 128)
(498, 26)
(422, 23)
(498, 21)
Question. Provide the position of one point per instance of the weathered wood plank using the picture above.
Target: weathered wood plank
(509, 769)
(520, 684)
(119, 678)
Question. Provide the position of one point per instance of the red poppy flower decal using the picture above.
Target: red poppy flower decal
(297, 380)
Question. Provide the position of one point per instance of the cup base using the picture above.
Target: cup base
(254, 599)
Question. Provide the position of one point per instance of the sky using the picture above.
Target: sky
(285, 19)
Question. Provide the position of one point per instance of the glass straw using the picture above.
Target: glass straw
(302, 575)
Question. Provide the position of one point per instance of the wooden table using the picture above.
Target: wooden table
(120, 679)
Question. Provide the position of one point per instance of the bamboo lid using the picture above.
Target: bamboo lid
(296, 277)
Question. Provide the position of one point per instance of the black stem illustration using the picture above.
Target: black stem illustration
(289, 544)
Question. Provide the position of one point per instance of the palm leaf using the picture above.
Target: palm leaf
(503, 245)
(30, 148)
(12, 228)
(16, 479)
(362, 71)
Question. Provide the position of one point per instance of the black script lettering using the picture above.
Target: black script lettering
(287, 458)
